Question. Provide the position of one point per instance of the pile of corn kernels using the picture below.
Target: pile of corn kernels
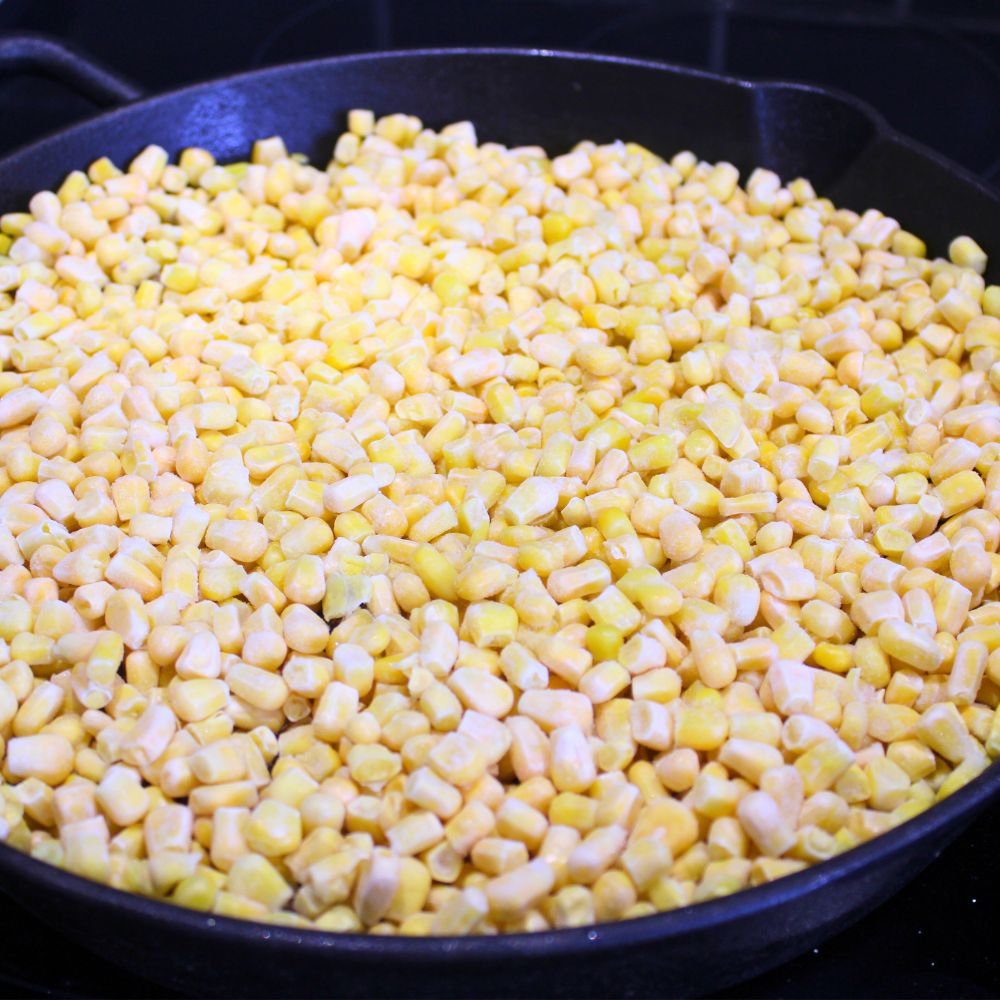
(456, 540)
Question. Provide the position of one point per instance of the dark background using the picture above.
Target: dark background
(931, 68)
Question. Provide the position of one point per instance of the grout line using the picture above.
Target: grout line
(383, 24)
(718, 38)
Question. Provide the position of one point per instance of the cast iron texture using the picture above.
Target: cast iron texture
(552, 99)
(28, 53)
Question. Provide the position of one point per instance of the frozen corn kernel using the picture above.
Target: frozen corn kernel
(519, 890)
(966, 252)
(46, 756)
(909, 645)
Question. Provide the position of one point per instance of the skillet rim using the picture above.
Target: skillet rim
(757, 901)
(696, 917)
(882, 130)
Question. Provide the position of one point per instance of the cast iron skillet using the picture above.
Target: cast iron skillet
(515, 97)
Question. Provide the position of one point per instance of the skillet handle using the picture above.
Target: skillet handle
(30, 53)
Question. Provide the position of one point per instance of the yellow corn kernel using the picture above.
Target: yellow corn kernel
(960, 492)
(909, 645)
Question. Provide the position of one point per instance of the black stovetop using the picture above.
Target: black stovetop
(933, 70)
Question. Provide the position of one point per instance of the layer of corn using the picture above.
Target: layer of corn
(458, 540)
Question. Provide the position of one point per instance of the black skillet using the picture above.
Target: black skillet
(515, 97)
